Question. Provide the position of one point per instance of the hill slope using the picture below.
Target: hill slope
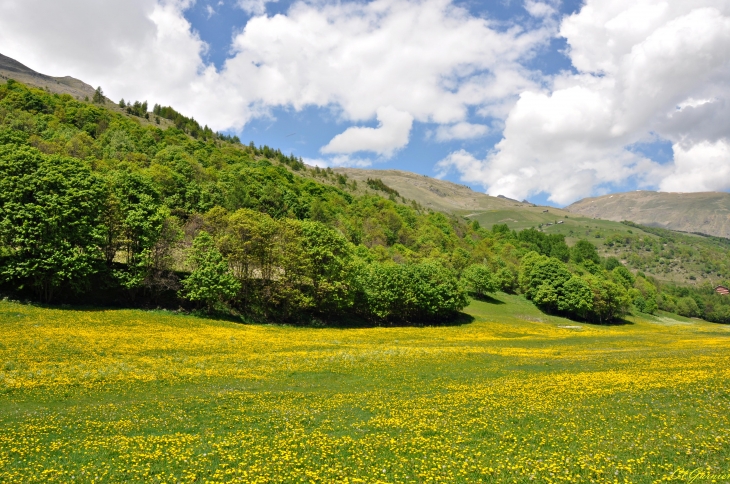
(12, 69)
(705, 212)
(433, 193)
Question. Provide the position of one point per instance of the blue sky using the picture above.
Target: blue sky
(547, 100)
(304, 132)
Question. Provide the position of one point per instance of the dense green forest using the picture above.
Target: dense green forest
(99, 207)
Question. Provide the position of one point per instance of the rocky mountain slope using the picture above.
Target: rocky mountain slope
(705, 212)
(12, 69)
(433, 193)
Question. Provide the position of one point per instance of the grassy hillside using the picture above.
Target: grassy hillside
(99, 205)
(708, 213)
(126, 395)
(667, 255)
(432, 193)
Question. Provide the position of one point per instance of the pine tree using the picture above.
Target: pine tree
(99, 96)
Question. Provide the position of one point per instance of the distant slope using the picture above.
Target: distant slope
(705, 212)
(12, 69)
(433, 193)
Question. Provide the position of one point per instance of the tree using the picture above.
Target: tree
(50, 209)
(610, 300)
(687, 306)
(327, 274)
(506, 280)
(210, 281)
(576, 298)
(99, 96)
(414, 293)
(646, 301)
(541, 270)
(611, 263)
(584, 251)
(479, 280)
(621, 275)
(134, 218)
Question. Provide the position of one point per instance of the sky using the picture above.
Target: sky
(542, 100)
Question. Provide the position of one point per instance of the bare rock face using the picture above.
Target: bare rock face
(704, 212)
(12, 69)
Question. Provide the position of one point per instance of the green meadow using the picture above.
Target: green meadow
(508, 394)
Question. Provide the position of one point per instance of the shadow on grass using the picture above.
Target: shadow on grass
(613, 322)
(486, 298)
(342, 322)
(353, 322)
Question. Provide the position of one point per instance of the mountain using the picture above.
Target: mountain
(704, 212)
(179, 204)
(440, 195)
(12, 69)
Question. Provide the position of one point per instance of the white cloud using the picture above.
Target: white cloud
(461, 130)
(140, 49)
(427, 58)
(339, 161)
(391, 134)
(704, 166)
(645, 69)
(254, 7)
(540, 9)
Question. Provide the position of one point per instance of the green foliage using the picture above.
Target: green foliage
(377, 184)
(90, 193)
(210, 281)
(552, 245)
(99, 96)
(50, 210)
(411, 293)
(645, 295)
(479, 280)
(610, 300)
(584, 251)
(611, 263)
(622, 276)
(506, 280)
(550, 285)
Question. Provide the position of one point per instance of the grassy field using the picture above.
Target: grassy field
(513, 396)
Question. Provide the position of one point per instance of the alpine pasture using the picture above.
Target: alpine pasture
(509, 395)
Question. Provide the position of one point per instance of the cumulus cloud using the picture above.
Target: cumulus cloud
(700, 167)
(254, 7)
(646, 69)
(461, 130)
(428, 58)
(339, 161)
(390, 135)
(138, 49)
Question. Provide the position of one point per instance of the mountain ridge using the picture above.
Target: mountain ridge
(12, 69)
(432, 192)
(703, 212)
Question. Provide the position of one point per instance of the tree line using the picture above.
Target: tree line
(95, 203)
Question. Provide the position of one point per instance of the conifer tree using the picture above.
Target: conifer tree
(99, 96)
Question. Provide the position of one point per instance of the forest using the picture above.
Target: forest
(102, 208)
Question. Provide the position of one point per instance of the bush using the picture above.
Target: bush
(210, 281)
(411, 293)
(584, 251)
(50, 218)
(478, 279)
(686, 306)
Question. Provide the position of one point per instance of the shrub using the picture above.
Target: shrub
(210, 281)
(478, 279)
